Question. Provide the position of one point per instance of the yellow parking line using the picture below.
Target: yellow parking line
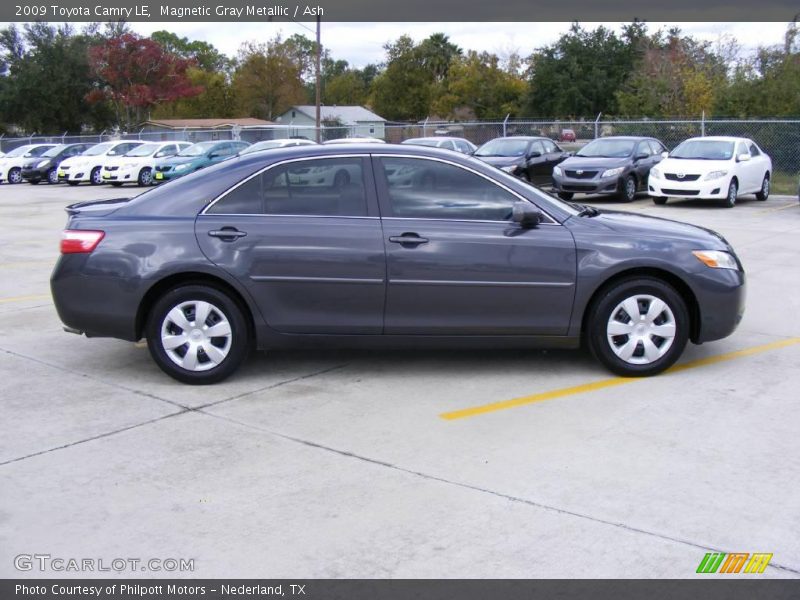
(777, 208)
(25, 298)
(611, 382)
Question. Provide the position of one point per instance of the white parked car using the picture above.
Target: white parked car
(138, 165)
(355, 140)
(449, 143)
(271, 144)
(11, 163)
(88, 165)
(712, 167)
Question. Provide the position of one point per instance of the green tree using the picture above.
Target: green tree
(404, 90)
(204, 55)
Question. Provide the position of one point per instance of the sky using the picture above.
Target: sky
(362, 43)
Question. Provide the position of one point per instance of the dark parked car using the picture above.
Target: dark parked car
(45, 167)
(194, 158)
(610, 165)
(416, 247)
(529, 158)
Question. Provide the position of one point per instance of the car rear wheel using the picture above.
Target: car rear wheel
(660, 200)
(638, 327)
(96, 178)
(145, 177)
(15, 176)
(565, 195)
(197, 334)
(627, 191)
(733, 192)
(52, 176)
(763, 194)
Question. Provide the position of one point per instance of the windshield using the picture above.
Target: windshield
(503, 147)
(607, 149)
(54, 151)
(197, 149)
(704, 150)
(26, 151)
(143, 150)
(99, 149)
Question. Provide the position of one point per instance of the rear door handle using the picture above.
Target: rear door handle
(408, 239)
(227, 234)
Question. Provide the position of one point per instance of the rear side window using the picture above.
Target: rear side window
(322, 187)
(754, 150)
(426, 189)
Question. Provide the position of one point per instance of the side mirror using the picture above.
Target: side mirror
(743, 157)
(664, 154)
(642, 156)
(534, 154)
(526, 214)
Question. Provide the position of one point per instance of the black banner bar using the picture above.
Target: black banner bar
(398, 11)
(316, 589)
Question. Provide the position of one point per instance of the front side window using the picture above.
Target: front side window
(427, 189)
(321, 187)
(550, 147)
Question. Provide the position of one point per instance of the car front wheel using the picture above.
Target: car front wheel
(52, 176)
(197, 334)
(96, 178)
(638, 327)
(627, 192)
(145, 177)
(763, 193)
(15, 176)
(733, 192)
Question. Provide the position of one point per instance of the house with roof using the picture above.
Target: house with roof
(359, 121)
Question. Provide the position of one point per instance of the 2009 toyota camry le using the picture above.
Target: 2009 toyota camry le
(376, 247)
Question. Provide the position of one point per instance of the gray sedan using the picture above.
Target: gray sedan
(415, 247)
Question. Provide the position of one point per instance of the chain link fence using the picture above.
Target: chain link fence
(779, 138)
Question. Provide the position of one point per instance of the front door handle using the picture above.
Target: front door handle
(227, 234)
(411, 239)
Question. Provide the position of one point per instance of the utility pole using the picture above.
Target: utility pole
(319, 82)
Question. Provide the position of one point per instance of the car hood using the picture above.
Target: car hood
(79, 160)
(181, 160)
(644, 227)
(502, 161)
(686, 165)
(588, 162)
(30, 163)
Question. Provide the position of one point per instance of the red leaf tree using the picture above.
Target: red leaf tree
(136, 74)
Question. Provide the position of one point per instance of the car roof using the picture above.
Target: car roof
(719, 138)
(634, 138)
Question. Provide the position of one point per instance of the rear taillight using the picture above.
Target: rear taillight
(80, 241)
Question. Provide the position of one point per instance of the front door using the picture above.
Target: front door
(457, 264)
(305, 239)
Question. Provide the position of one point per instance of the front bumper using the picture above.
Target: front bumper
(79, 174)
(34, 174)
(721, 295)
(595, 185)
(706, 190)
(161, 176)
(120, 175)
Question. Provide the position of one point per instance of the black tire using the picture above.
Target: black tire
(15, 175)
(660, 200)
(567, 196)
(95, 177)
(73, 182)
(52, 177)
(627, 189)
(607, 304)
(733, 192)
(145, 177)
(763, 194)
(237, 346)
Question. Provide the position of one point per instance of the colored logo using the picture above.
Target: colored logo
(736, 562)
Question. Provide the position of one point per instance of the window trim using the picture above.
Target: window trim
(361, 157)
(381, 182)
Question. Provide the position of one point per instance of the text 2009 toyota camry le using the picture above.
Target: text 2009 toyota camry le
(390, 246)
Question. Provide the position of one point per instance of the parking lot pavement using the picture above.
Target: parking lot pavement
(342, 463)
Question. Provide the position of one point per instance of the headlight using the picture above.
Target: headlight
(182, 167)
(41, 163)
(716, 259)
(557, 171)
(612, 172)
(509, 169)
(655, 173)
(715, 175)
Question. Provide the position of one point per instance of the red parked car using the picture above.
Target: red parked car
(568, 135)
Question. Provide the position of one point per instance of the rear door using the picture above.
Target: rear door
(305, 239)
(457, 264)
